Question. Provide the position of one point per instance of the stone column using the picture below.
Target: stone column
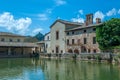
(9, 51)
(73, 51)
(22, 51)
(36, 49)
(79, 50)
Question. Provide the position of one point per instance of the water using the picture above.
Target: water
(44, 69)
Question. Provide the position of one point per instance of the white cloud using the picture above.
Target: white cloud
(43, 17)
(98, 14)
(80, 20)
(111, 12)
(49, 10)
(81, 12)
(119, 11)
(35, 31)
(60, 2)
(20, 25)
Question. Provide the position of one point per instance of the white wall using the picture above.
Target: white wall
(61, 41)
(47, 43)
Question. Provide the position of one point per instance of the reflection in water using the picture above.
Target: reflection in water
(44, 69)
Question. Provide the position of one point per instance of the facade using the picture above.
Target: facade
(14, 45)
(47, 43)
(44, 46)
(82, 40)
(73, 37)
(41, 47)
(58, 35)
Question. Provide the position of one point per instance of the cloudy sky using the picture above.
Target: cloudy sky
(28, 17)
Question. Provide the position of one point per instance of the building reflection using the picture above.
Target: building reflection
(45, 69)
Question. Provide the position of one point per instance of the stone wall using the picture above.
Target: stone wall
(60, 43)
(79, 36)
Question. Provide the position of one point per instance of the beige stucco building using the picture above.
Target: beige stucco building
(14, 45)
(58, 35)
(73, 37)
(47, 39)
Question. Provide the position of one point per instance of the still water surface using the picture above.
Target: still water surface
(44, 69)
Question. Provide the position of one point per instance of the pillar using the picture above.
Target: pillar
(79, 50)
(9, 51)
(73, 51)
(22, 51)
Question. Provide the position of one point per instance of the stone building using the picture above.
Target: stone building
(44, 46)
(58, 35)
(83, 38)
(47, 43)
(73, 37)
(14, 45)
(41, 47)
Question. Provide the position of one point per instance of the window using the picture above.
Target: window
(18, 40)
(67, 41)
(94, 40)
(88, 50)
(94, 51)
(61, 51)
(2, 39)
(57, 35)
(85, 40)
(57, 49)
(85, 50)
(46, 45)
(73, 41)
(72, 32)
(10, 40)
(48, 38)
(84, 31)
(94, 29)
(67, 33)
(52, 51)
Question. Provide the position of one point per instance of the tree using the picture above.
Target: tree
(108, 34)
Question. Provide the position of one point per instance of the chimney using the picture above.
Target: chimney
(98, 20)
(89, 19)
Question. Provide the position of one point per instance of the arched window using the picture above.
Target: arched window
(70, 51)
(76, 51)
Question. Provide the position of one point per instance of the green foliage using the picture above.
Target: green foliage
(108, 34)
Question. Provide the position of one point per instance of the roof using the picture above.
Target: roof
(17, 44)
(40, 42)
(47, 33)
(10, 34)
(83, 26)
(67, 22)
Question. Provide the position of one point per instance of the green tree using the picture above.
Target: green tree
(108, 34)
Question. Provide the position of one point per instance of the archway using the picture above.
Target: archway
(89, 50)
(70, 51)
(76, 51)
(94, 50)
(83, 49)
